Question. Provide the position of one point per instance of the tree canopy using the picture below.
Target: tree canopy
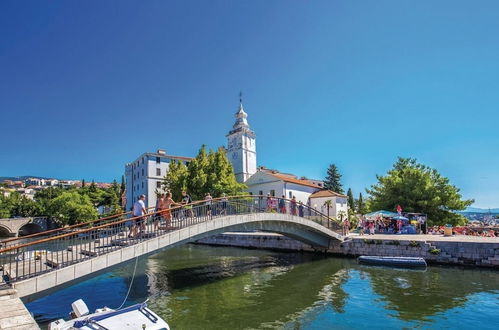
(418, 188)
(333, 179)
(210, 172)
(47, 203)
(71, 207)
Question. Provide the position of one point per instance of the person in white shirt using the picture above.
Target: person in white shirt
(139, 210)
(208, 202)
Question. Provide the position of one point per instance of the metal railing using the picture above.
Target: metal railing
(22, 261)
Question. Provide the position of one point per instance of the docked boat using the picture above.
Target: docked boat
(406, 262)
(133, 317)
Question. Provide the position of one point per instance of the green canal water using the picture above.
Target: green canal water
(203, 287)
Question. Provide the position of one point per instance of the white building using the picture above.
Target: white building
(277, 184)
(338, 203)
(241, 147)
(145, 176)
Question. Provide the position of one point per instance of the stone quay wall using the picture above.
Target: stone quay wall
(481, 254)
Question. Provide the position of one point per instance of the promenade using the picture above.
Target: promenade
(13, 313)
(428, 238)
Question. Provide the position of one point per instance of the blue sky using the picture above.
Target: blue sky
(86, 86)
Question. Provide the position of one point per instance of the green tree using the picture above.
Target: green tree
(176, 179)
(351, 200)
(361, 208)
(221, 178)
(333, 179)
(208, 172)
(418, 188)
(197, 177)
(71, 207)
(83, 183)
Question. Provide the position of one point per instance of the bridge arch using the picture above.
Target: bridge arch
(5, 231)
(29, 228)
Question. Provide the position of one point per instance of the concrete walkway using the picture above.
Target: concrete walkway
(13, 313)
(428, 238)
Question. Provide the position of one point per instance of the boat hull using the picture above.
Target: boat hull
(404, 262)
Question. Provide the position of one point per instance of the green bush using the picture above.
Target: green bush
(434, 251)
(414, 244)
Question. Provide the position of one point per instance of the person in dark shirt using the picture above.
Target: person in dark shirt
(282, 204)
(300, 209)
(186, 199)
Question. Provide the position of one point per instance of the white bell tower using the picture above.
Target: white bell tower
(241, 146)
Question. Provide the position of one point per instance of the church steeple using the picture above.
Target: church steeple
(241, 146)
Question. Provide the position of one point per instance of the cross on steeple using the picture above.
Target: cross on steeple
(241, 97)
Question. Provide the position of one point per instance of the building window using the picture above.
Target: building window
(158, 160)
(142, 184)
(142, 160)
(272, 193)
(158, 184)
(158, 172)
(290, 194)
(142, 172)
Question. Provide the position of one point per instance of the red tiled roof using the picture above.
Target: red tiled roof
(326, 193)
(290, 179)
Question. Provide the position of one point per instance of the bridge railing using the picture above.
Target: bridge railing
(31, 259)
(14, 241)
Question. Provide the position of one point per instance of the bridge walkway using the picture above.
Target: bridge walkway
(21, 262)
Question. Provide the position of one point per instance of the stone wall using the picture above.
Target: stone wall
(483, 254)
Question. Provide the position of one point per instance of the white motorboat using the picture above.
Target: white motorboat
(133, 317)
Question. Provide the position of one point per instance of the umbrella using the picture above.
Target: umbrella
(399, 217)
(383, 213)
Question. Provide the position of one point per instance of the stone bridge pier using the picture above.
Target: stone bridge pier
(13, 226)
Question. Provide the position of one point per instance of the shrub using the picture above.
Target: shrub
(414, 244)
(434, 251)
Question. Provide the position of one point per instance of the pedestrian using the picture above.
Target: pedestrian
(300, 209)
(269, 204)
(360, 226)
(158, 210)
(347, 226)
(371, 227)
(168, 203)
(224, 202)
(293, 205)
(208, 203)
(139, 211)
(186, 204)
(282, 204)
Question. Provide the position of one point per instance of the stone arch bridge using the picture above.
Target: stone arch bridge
(12, 226)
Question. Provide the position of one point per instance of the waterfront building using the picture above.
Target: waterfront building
(318, 200)
(275, 183)
(241, 146)
(145, 176)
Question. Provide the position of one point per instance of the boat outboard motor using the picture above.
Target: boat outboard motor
(79, 308)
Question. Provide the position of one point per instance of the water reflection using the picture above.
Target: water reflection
(200, 287)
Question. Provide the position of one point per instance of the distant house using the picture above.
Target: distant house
(275, 183)
(338, 204)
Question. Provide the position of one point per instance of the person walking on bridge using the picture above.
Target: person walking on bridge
(293, 205)
(208, 203)
(167, 213)
(282, 204)
(139, 210)
(186, 200)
